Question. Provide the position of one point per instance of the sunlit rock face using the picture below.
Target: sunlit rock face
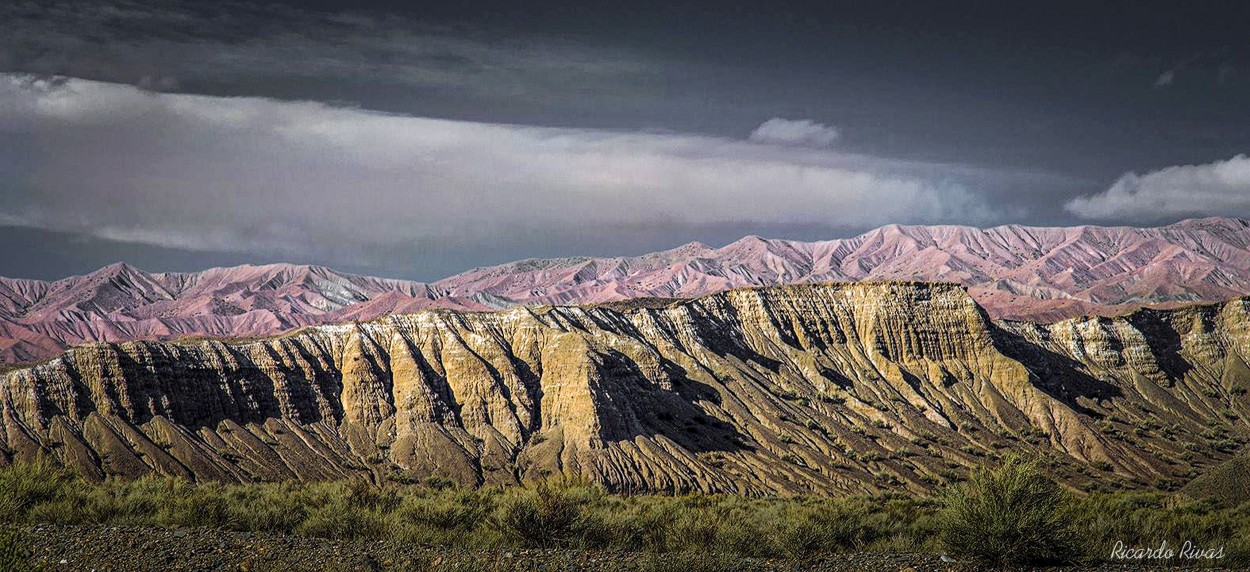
(826, 388)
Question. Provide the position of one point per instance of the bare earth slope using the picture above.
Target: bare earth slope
(119, 302)
(827, 388)
(1015, 272)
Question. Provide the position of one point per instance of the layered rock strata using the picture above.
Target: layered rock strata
(823, 388)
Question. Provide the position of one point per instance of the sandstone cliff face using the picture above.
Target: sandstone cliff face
(817, 388)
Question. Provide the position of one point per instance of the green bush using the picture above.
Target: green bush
(352, 510)
(25, 485)
(279, 508)
(1008, 516)
(635, 524)
(15, 555)
(447, 516)
(342, 521)
(550, 514)
(194, 505)
(448, 509)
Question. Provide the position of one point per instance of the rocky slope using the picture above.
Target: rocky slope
(828, 388)
(119, 302)
(1013, 271)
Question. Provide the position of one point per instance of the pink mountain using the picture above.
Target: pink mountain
(1015, 272)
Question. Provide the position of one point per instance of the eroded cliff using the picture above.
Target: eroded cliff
(828, 388)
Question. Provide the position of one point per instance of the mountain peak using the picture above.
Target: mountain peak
(114, 269)
(750, 241)
(693, 246)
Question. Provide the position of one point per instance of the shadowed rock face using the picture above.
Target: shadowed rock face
(1013, 271)
(828, 388)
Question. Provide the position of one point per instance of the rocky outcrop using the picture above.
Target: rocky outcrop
(1013, 271)
(830, 388)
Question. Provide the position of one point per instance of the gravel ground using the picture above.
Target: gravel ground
(137, 549)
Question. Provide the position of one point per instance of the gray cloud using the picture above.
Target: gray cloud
(1215, 62)
(156, 46)
(804, 132)
(261, 175)
(1220, 188)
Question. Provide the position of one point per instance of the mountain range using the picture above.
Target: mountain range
(1014, 272)
(814, 388)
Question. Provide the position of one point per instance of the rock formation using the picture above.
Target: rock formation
(829, 388)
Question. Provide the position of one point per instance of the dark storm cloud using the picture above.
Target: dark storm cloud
(231, 45)
(425, 138)
(1062, 87)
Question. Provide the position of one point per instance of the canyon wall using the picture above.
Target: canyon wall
(826, 388)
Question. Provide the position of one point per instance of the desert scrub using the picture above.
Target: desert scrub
(15, 554)
(569, 513)
(1008, 516)
(548, 515)
(1144, 519)
(25, 486)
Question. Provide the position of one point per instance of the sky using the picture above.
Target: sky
(417, 140)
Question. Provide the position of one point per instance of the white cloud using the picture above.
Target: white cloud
(1221, 188)
(1166, 78)
(802, 132)
(218, 173)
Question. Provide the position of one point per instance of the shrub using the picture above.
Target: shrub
(194, 505)
(803, 531)
(1009, 516)
(343, 522)
(15, 555)
(276, 508)
(545, 516)
(693, 527)
(352, 510)
(28, 484)
(450, 509)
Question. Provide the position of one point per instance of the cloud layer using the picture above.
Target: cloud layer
(231, 45)
(803, 132)
(1221, 188)
(262, 175)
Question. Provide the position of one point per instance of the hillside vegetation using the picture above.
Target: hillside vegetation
(1007, 516)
